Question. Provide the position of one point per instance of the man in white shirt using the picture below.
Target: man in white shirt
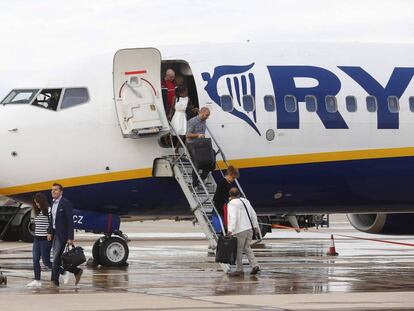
(242, 220)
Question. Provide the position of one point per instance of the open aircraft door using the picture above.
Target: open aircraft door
(137, 92)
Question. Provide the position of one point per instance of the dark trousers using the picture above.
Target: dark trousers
(203, 174)
(58, 249)
(41, 249)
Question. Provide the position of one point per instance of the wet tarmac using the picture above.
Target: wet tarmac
(169, 259)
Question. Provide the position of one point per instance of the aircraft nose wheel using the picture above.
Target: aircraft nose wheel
(113, 251)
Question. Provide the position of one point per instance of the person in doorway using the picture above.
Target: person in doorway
(61, 230)
(221, 196)
(196, 128)
(169, 85)
(41, 244)
(242, 223)
(179, 81)
(179, 120)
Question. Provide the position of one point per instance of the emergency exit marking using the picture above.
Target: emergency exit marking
(136, 72)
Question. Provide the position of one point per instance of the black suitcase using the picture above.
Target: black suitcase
(73, 257)
(202, 152)
(226, 250)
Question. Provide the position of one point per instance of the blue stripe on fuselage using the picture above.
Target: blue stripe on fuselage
(330, 186)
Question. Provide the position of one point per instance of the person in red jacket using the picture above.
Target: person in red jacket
(168, 84)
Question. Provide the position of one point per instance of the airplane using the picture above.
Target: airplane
(316, 128)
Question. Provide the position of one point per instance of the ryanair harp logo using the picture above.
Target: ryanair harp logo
(237, 82)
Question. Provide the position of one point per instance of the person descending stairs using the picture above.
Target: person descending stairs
(198, 194)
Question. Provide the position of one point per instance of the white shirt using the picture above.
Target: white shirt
(238, 220)
(54, 210)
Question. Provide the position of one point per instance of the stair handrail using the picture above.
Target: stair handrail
(200, 180)
(223, 156)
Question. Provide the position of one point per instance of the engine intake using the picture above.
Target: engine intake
(401, 223)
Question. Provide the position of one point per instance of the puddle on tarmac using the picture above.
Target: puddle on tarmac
(187, 269)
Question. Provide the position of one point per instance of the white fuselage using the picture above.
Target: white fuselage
(83, 145)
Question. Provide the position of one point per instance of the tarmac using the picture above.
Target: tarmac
(170, 268)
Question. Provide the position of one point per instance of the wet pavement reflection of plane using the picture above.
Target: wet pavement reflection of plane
(291, 264)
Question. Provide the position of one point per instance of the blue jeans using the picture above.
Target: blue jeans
(41, 248)
(58, 249)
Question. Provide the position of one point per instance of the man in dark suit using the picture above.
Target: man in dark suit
(61, 231)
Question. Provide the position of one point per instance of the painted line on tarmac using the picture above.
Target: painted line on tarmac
(345, 236)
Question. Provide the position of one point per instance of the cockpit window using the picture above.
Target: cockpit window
(20, 96)
(48, 98)
(74, 96)
(51, 99)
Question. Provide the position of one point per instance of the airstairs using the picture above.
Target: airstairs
(180, 166)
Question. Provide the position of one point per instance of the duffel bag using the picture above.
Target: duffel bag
(72, 257)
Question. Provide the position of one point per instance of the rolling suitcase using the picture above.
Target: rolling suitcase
(202, 152)
(226, 250)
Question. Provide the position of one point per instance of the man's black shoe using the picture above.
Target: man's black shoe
(255, 270)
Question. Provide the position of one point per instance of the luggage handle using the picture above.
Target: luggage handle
(68, 245)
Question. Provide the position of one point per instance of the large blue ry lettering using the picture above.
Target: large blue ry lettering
(397, 84)
(284, 84)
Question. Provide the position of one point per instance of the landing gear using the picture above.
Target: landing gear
(26, 230)
(95, 251)
(11, 235)
(264, 225)
(111, 251)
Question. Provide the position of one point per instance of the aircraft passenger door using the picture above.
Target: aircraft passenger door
(137, 92)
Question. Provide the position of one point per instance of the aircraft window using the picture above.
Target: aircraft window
(269, 103)
(48, 98)
(290, 103)
(331, 104)
(351, 103)
(20, 97)
(226, 102)
(311, 103)
(411, 101)
(248, 103)
(393, 104)
(74, 96)
(371, 103)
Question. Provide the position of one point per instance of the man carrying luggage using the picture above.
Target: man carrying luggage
(196, 128)
(61, 232)
(242, 222)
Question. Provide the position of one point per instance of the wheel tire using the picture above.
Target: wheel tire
(11, 235)
(113, 252)
(95, 251)
(25, 231)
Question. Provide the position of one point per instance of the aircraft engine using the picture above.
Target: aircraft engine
(398, 223)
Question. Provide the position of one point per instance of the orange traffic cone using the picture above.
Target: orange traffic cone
(332, 250)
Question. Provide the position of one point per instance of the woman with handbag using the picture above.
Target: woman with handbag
(41, 244)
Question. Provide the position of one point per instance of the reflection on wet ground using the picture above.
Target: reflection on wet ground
(186, 269)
